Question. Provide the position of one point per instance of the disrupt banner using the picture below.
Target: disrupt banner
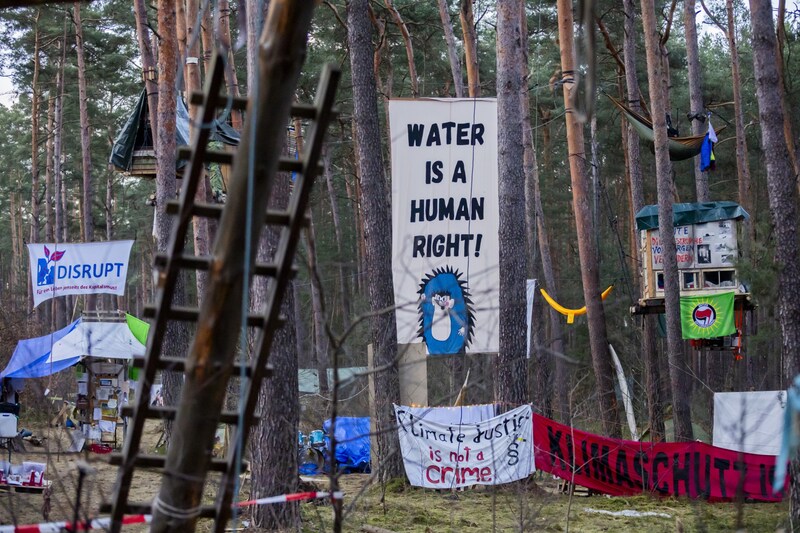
(445, 222)
(84, 268)
(707, 317)
(621, 468)
(443, 456)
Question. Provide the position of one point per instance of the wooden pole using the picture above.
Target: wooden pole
(210, 360)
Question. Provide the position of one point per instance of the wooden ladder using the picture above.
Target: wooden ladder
(268, 320)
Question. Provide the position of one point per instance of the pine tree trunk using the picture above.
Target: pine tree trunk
(787, 118)
(377, 227)
(200, 225)
(452, 50)
(782, 190)
(681, 397)
(148, 65)
(86, 154)
(344, 282)
(511, 362)
(15, 254)
(412, 66)
(231, 78)
(649, 345)
(590, 269)
(273, 445)
(48, 174)
(177, 337)
(470, 37)
(59, 235)
(742, 158)
(35, 98)
(696, 104)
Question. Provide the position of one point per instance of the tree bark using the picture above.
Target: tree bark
(787, 118)
(148, 65)
(649, 345)
(200, 226)
(59, 230)
(452, 50)
(177, 337)
(511, 362)
(412, 65)
(782, 189)
(231, 78)
(590, 269)
(470, 37)
(681, 396)
(35, 98)
(273, 446)
(344, 282)
(696, 104)
(377, 229)
(742, 157)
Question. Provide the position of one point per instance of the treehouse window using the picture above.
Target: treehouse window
(690, 280)
(717, 279)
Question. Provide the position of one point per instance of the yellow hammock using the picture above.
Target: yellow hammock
(571, 313)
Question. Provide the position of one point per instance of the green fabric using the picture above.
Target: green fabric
(138, 327)
(691, 213)
(707, 317)
(677, 151)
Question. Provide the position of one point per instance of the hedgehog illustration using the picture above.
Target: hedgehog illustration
(446, 316)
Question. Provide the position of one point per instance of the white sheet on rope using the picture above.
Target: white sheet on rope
(749, 422)
(111, 340)
(465, 414)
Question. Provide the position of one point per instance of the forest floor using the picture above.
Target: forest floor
(524, 507)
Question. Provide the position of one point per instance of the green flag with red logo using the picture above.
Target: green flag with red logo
(707, 317)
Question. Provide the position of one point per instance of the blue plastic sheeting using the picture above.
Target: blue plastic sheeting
(352, 443)
(29, 359)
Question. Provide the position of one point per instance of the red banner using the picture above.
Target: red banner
(622, 467)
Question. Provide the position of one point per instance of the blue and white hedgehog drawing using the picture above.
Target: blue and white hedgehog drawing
(446, 316)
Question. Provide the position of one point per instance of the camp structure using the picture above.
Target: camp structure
(706, 241)
(680, 148)
(133, 151)
(100, 346)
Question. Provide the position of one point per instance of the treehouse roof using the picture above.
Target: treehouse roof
(691, 213)
(136, 133)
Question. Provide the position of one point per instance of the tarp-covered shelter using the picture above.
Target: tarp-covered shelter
(30, 356)
(133, 150)
(691, 213)
(42, 356)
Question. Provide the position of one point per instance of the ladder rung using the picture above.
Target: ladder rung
(191, 314)
(221, 101)
(203, 262)
(202, 209)
(294, 165)
(211, 156)
(144, 460)
(136, 508)
(165, 412)
(178, 364)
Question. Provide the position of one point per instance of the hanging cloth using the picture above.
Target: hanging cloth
(707, 159)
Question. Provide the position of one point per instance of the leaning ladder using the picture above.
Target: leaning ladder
(280, 270)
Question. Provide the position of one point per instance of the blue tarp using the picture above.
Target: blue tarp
(29, 359)
(352, 442)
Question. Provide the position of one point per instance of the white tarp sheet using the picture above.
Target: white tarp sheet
(749, 422)
(450, 455)
(463, 414)
(111, 340)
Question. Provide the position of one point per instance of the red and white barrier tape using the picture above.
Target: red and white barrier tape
(104, 523)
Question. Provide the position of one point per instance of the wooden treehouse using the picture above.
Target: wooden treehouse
(707, 237)
(134, 150)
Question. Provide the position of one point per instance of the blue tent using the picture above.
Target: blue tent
(29, 359)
